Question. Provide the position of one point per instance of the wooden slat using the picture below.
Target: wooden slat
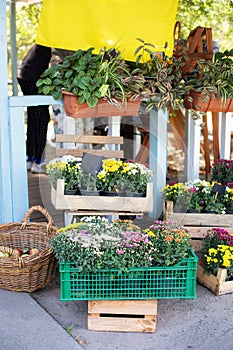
(195, 39)
(121, 324)
(89, 139)
(132, 307)
(211, 220)
(77, 152)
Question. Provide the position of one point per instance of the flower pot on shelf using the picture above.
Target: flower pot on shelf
(217, 284)
(88, 193)
(102, 109)
(71, 192)
(193, 211)
(213, 104)
(109, 194)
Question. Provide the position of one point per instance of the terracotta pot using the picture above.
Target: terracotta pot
(213, 104)
(102, 109)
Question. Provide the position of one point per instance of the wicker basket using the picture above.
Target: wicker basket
(29, 273)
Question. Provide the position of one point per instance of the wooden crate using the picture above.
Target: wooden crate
(100, 203)
(122, 315)
(217, 284)
(198, 224)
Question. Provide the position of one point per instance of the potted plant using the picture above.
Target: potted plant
(176, 196)
(88, 184)
(211, 87)
(67, 168)
(164, 83)
(215, 270)
(91, 80)
(222, 171)
(201, 195)
(136, 176)
(115, 261)
(119, 176)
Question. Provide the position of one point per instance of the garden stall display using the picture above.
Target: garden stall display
(103, 261)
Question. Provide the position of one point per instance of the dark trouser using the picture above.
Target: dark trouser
(37, 122)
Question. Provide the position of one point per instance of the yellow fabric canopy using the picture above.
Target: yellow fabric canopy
(80, 24)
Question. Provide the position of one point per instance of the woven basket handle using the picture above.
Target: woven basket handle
(177, 29)
(42, 211)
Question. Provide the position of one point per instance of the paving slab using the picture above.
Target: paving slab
(25, 325)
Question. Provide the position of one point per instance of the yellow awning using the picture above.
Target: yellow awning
(73, 24)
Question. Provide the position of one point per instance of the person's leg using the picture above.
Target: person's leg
(37, 124)
(41, 119)
(29, 88)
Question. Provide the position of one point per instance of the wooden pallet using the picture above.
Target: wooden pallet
(217, 284)
(122, 315)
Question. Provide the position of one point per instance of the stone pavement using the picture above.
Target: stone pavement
(25, 325)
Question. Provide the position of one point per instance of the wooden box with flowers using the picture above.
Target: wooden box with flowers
(198, 205)
(102, 260)
(118, 186)
(215, 268)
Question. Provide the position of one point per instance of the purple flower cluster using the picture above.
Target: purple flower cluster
(223, 234)
(134, 240)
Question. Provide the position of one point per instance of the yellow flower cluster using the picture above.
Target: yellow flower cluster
(171, 191)
(221, 256)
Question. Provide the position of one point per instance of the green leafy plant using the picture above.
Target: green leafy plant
(88, 181)
(164, 84)
(213, 78)
(92, 76)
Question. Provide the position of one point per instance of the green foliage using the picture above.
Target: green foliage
(27, 16)
(214, 78)
(164, 83)
(95, 244)
(91, 77)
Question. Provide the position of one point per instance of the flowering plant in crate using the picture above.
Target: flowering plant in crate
(173, 190)
(97, 244)
(197, 194)
(170, 241)
(117, 175)
(217, 251)
(67, 168)
(222, 171)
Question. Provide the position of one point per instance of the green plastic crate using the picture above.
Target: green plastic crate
(177, 281)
